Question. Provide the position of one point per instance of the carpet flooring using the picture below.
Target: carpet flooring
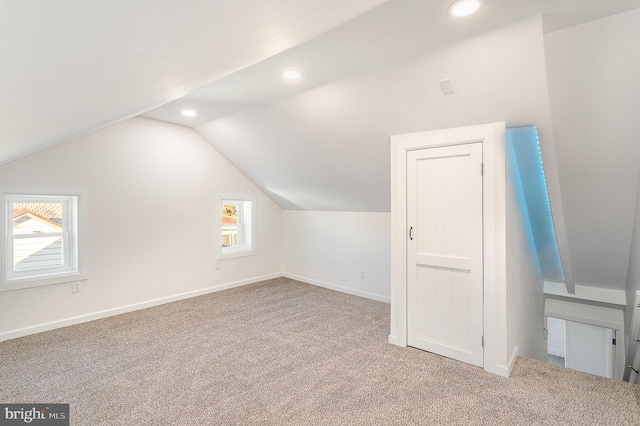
(281, 352)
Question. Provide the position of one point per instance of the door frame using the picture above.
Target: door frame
(492, 137)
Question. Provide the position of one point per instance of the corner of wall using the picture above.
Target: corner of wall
(633, 270)
(525, 292)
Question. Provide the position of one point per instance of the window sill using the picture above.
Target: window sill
(233, 254)
(22, 283)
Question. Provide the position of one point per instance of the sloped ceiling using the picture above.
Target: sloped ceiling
(69, 67)
(594, 87)
(321, 143)
(327, 148)
(371, 70)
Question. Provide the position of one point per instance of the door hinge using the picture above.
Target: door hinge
(483, 341)
(613, 342)
(481, 169)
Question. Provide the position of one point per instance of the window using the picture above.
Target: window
(41, 237)
(236, 224)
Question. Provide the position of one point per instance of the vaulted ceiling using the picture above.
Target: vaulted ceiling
(69, 67)
(371, 69)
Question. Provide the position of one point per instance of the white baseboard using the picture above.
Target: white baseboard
(394, 340)
(512, 360)
(500, 369)
(365, 294)
(38, 328)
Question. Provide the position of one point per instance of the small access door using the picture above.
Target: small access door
(589, 348)
(444, 251)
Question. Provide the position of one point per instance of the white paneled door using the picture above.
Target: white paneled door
(589, 348)
(444, 251)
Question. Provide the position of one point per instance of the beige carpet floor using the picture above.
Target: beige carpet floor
(284, 352)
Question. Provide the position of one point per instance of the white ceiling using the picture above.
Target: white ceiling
(69, 67)
(397, 29)
(371, 70)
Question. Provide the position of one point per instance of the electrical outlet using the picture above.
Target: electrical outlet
(217, 264)
(362, 274)
(75, 287)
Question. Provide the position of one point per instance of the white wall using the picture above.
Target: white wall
(151, 190)
(331, 249)
(525, 290)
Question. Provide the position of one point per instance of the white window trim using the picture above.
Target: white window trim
(230, 253)
(78, 267)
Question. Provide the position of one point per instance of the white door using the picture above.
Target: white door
(444, 251)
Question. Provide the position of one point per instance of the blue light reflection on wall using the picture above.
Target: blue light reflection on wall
(513, 174)
(525, 145)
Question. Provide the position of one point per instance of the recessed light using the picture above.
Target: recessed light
(292, 74)
(462, 8)
(189, 113)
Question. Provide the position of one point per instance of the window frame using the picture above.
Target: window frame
(73, 268)
(246, 225)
